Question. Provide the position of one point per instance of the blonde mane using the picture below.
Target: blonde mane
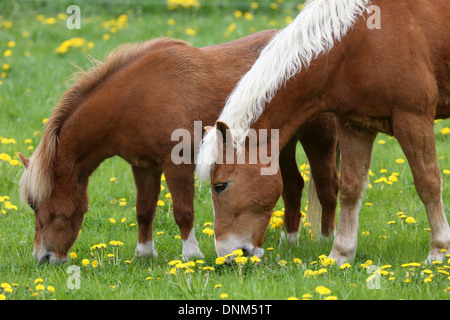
(36, 183)
(313, 32)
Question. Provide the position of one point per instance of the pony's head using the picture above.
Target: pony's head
(59, 201)
(243, 198)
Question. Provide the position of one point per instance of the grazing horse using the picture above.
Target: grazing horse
(129, 106)
(394, 79)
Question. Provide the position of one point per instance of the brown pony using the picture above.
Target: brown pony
(390, 76)
(129, 106)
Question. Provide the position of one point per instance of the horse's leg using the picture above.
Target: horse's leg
(148, 186)
(415, 135)
(356, 149)
(292, 190)
(180, 180)
(321, 152)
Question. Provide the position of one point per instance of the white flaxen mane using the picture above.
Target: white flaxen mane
(313, 32)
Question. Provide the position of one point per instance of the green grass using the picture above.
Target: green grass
(33, 84)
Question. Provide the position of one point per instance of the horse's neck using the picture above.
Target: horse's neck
(303, 97)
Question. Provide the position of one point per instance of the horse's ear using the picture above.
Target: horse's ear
(224, 130)
(25, 160)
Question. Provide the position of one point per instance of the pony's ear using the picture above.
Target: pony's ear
(224, 130)
(25, 160)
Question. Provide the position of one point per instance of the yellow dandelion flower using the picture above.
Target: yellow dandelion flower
(323, 291)
(238, 14)
(39, 287)
(224, 295)
(445, 131)
(410, 220)
(306, 296)
(220, 260)
(208, 231)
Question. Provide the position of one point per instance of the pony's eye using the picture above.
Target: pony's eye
(220, 187)
(32, 206)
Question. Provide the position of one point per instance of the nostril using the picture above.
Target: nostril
(45, 258)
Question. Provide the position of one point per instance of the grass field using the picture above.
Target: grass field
(36, 55)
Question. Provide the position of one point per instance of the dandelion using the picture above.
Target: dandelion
(38, 280)
(218, 286)
(85, 262)
(220, 260)
(39, 287)
(112, 220)
(168, 195)
(7, 53)
(323, 291)
(191, 32)
(410, 220)
(345, 266)
(2, 297)
(297, 261)
(208, 269)
(306, 296)
(381, 142)
(445, 131)
(160, 203)
(51, 288)
(73, 255)
(255, 259)
(116, 243)
(399, 160)
(282, 262)
(248, 16)
(208, 231)
(331, 298)
(241, 260)
(238, 14)
(224, 295)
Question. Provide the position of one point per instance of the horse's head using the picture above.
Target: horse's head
(58, 215)
(243, 200)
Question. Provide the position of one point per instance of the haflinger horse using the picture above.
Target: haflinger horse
(390, 76)
(129, 106)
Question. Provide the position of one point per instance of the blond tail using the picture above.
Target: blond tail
(314, 214)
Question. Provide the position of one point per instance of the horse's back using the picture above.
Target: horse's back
(404, 64)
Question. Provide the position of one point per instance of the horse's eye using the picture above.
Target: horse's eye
(32, 206)
(220, 187)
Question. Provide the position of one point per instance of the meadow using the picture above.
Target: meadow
(37, 53)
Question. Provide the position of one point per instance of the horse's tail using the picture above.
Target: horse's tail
(312, 33)
(314, 215)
